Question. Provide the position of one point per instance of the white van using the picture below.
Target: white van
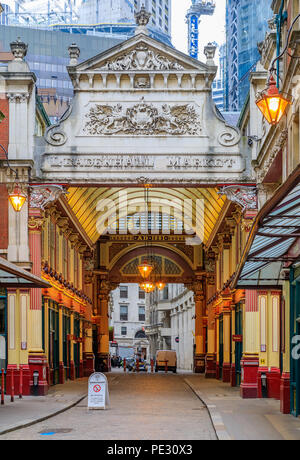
(163, 356)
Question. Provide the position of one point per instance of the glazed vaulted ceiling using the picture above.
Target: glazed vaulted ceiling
(90, 204)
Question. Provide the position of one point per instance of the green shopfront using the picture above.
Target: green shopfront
(295, 341)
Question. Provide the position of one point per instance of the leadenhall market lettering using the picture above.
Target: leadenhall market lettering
(159, 162)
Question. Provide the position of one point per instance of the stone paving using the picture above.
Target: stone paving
(143, 407)
(243, 419)
(150, 407)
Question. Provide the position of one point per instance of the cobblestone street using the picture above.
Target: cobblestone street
(142, 407)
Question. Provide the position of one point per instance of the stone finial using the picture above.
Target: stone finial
(74, 53)
(19, 50)
(142, 18)
(210, 52)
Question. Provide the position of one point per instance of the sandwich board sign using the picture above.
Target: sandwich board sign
(98, 396)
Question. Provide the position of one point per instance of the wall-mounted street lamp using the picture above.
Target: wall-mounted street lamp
(17, 198)
(271, 102)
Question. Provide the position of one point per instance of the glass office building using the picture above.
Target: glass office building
(246, 26)
(48, 57)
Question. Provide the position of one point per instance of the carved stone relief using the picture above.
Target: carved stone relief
(42, 196)
(245, 196)
(142, 58)
(143, 119)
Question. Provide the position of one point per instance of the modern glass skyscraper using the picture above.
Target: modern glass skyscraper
(246, 25)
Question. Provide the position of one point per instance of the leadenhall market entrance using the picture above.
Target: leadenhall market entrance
(141, 166)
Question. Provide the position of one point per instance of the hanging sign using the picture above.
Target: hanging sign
(98, 396)
(177, 339)
(237, 338)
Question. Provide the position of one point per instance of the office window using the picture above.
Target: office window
(124, 292)
(142, 294)
(123, 313)
(142, 314)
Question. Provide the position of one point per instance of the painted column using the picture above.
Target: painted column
(250, 359)
(210, 362)
(61, 358)
(88, 355)
(199, 360)
(285, 405)
(71, 344)
(36, 359)
(81, 349)
(17, 306)
(103, 326)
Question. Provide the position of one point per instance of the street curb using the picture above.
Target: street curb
(215, 417)
(29, 422)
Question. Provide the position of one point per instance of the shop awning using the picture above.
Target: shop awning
(274, 241)
(15, 277)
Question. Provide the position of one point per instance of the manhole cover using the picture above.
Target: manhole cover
(51, 432)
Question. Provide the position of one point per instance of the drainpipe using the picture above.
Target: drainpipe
(280, 20)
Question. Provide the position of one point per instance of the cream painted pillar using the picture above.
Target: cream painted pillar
(250, 360)
(210, 362)
(13, 327)
(103, 326)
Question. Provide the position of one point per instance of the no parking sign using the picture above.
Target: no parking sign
(98, 397)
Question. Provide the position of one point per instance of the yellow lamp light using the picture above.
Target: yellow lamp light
(145, 269)
(17, 198)
(147, 286)
(272, 104)
(160, 285)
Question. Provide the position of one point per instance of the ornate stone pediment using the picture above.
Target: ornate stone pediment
(141, 53)
(141, 58)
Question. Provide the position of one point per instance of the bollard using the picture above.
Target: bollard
(137, 365)
(2, 387)
(166, 367)
(12, 392)
(152, 365)
(21, 383)
(124, 363)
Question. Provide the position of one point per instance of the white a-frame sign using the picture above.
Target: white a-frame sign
(98, 396)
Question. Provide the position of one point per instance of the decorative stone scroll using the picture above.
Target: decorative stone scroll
(230, 137)
(54, 135)
(41, 195)
(245, 196)
(142, 58)
(143, 119)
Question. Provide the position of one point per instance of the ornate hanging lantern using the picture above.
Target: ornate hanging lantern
(272, 104)
(145, 269)
(147, 286)
(17, 198)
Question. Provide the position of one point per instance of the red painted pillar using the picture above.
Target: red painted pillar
(285, 396)
(37, 360)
